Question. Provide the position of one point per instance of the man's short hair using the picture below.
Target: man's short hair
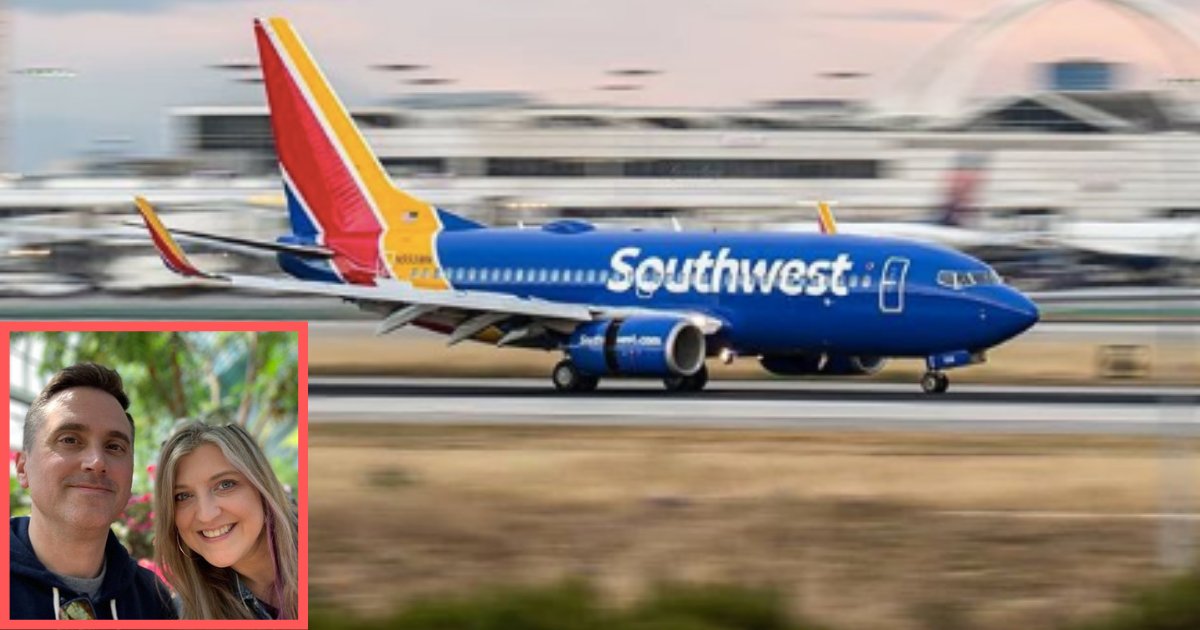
(91, 375)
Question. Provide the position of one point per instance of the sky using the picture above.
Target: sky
(134, 59)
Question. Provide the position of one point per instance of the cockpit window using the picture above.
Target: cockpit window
(963, 279)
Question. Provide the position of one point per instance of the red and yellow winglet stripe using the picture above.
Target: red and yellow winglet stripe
(825, 217)
(170, 251)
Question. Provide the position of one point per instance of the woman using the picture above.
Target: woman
(225, 532)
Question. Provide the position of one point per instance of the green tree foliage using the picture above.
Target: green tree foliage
(250, 378)
(576, 606)
(1174, 605)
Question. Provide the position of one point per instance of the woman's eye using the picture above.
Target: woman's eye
(181, 496)
(226, 484)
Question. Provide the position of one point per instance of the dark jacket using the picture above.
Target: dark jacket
(137, 592)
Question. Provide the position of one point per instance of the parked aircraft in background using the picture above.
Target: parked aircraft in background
(1154, 249)
(615, 303)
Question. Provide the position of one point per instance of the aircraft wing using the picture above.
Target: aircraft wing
(411, 303)
(1177, 239)
(383, 291)
(400, 292)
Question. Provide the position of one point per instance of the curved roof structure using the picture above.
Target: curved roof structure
(936, 83)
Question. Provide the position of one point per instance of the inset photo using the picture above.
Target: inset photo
(158, 474)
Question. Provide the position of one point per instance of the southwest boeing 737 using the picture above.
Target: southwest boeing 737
(615, 303)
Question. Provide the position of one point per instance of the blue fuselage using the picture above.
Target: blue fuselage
(773, 293)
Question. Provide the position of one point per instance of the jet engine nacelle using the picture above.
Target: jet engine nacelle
(816, 365)
(638, 346)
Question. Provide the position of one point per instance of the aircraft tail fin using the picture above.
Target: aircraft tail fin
(338, 193)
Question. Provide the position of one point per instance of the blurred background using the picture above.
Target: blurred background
(248, 378)
(1057, 140)
(1065, 157)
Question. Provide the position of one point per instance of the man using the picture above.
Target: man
(76, 462)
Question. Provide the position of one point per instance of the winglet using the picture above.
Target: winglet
(170, 251)
(825, 218)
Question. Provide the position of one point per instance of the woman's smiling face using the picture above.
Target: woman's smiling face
(218, 513)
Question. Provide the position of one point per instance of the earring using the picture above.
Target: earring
(179, 543)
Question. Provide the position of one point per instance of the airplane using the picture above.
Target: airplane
(616, 303)
(1150, 250)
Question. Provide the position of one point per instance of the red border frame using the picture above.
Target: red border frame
(301, 330)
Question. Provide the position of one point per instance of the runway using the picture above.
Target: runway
(779, 405)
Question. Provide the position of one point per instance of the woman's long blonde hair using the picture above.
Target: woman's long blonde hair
(210, 592)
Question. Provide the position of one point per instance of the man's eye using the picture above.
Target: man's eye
(68, 439)
(117, 447)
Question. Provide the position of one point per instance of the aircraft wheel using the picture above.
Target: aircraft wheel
(697, 381)
(693, 383)
(588, 383)
(935, 383)
(675, 383)
(566, 376)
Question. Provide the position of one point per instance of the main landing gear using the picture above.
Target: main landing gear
(935, 382)
(568, 378)
(693, 383)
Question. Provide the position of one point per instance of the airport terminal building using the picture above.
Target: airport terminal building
(1119, 155)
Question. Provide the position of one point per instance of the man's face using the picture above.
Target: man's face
(79, 470)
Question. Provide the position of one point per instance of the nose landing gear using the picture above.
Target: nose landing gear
(935, 382)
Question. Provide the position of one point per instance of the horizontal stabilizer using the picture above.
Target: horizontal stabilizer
(172, 256)
(304, 251)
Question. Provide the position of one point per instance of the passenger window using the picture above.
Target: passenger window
(866, 282)
(508, 274)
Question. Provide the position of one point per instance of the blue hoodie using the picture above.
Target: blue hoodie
(128, 591)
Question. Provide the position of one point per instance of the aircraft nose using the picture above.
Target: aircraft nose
(1016, 313)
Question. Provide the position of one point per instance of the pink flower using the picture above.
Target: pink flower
(150, 469)
(146, 563)
(12, 456)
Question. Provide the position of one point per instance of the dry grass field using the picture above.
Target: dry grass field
(1030, 359)
(858, 530)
